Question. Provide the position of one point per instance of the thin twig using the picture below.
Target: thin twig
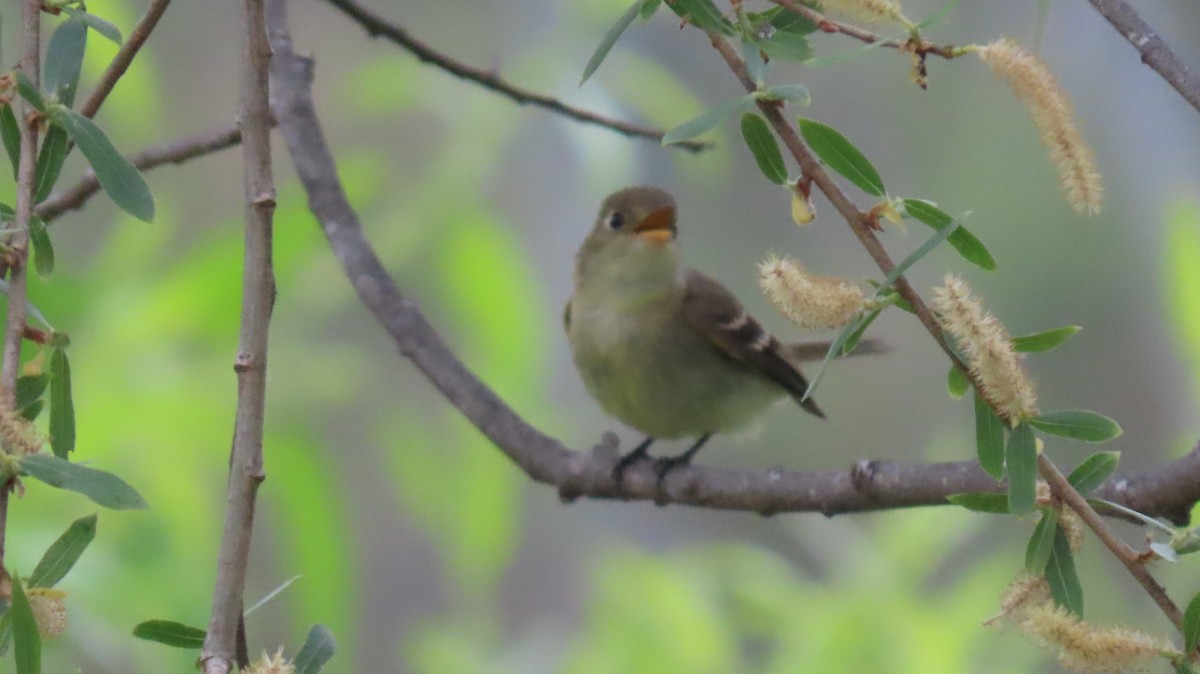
(221, 646)
(376, 25)
(828, 25)
(859, 224)
(1155, 53)
(124, 57)
(868, 486)
(174, 152)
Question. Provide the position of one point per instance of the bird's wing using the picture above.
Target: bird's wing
(716, 313)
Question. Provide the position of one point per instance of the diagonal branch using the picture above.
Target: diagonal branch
(376, 25)
(828, 25)
(868, 486)
(120, 63)
(1155, 53)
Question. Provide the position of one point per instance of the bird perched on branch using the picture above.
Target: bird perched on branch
(666, 349)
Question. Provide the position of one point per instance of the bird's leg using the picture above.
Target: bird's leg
(626, 461)
(666, 465)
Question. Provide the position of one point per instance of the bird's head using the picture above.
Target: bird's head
(633, 240)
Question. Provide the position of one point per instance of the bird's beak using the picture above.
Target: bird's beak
(657, 227)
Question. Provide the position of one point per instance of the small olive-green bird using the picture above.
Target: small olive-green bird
(666, 349)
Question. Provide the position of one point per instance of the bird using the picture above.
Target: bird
(664, 348)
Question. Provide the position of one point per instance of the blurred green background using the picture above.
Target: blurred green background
(419, 545)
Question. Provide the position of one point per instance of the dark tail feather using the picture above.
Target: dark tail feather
(811, 407)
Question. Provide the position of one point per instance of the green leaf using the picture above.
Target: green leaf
(938, 14)
(119, 178)
(956, 383)
(104, 488)
(62, 407)
(1044, 341)
(915, 256)
(649, 7)
(789, 21)
(968, 246)
(703, 14)
(989, 437)
(1060, 574)
(29, 91)
(981, 502)
(27, 643)
(317, 650)
(1041, 543)
(64, 60)
(842, 57)
(856, 336)
(705, 121)
(840, 155)
(1191, 624)
(49, 162)
(10, 133)
(756, 65)
(97, 24)
(43, 249)
(786, 46)
(1093, 471)
(170, 633)
(30, 388)
(32, 410)
(835, 348)
(793, 93)
(1021, 459)
(1078, 424)
(762, 144)
(610, 39)
(271, 595)
(64, 552)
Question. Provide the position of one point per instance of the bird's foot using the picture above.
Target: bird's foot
(665, 465)
(629, 459)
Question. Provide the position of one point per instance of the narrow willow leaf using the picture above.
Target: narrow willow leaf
(705, 121)
(967, 244)
(938, 14)
(1060, 574)
(762, 145)
(788, 21)
(10, 133)
(855, 337)
(105, 489)
(31, 411)
(834, 59)
(649, 7)
(840, 155)
(703, 14)
(1044, 341)
(1078, 424)
(981, 502)
(120, 180)
(29, 389)
(30, 307)
(64, 60)
(29, 91)
(6, 631)
(62, 407)
(835, 348)
(43, 249)
(1093, 471)
(1191, 624)
(170, 633)
(989, 438)
(792, 93)
(756, 65)
(50, 162)
(63, 553)
(1021, 458)
(27, 643)
(610, 39)
(1041, 543)
(317, 650)
(97, 24)
(271, 595)
(786, 46)
(957, 383)
(915, 256)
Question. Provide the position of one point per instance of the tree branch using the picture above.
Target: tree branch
(828, 25)
(120, 63)
(174, 152)
(258, 296)
(376, 25)
(1155, 53)
(868, 486)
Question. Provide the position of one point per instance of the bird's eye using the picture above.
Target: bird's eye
(616, 220)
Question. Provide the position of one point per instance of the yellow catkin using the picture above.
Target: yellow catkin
(1054, 117)
(17, 432)
(810, 301)
(1025, 591)
(49, 608)
(988, 349)
(1083, 647)
(871, 11)
(273, 664)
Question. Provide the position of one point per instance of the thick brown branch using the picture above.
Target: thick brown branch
(174, 152)
(1155, 53)
(868, 486)
(120, 63)
(376, 25)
